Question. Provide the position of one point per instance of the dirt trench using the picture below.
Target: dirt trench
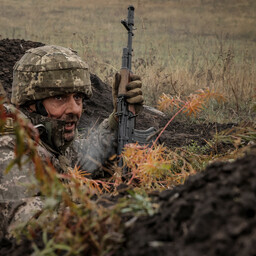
(100, 105)
(213, 213)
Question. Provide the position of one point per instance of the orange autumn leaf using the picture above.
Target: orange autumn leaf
(192, 104)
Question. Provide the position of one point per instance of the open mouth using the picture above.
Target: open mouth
(70, 126)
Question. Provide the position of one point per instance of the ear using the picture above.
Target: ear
(31, 108)
(40, 109)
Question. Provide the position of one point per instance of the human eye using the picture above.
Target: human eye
(78, 97)
(59, 97)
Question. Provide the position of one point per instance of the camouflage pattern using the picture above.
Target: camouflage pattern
(13, 192)
(43, 72)
(49, 71)
(94, 152)
(18, 204)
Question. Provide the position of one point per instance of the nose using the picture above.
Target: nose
(73, 107)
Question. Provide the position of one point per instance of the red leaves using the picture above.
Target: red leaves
(155, 168)
(93, 186)
(193, 103)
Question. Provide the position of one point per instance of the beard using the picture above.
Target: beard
(71, 121)
(69, 136)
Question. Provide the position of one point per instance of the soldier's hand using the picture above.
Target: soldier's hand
(133, 95)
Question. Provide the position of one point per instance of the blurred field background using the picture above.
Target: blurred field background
(179, 45)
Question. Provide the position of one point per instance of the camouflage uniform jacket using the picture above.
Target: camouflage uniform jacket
(18, 203)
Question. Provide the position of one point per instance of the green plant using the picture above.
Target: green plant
(137, 204)
(197, 149)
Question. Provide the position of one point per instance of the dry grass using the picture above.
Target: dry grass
(179, 47)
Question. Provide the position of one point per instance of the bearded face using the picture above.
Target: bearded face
(66, 108)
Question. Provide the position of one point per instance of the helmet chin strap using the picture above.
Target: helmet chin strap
(40, 109)
(51, 130)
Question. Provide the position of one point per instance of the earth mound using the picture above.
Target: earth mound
(10, 52)
(212, 214)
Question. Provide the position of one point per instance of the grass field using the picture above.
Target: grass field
(179, 45)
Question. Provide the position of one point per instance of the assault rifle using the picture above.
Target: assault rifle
(126, 112)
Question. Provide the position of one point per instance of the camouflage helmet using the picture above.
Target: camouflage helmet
(48, 71)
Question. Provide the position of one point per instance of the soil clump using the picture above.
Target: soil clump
(213, 213)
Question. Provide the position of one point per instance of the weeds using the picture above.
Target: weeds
(226, 145)
(193, 147)
(192, 104)
(175, 51)
(137, 204)
(72, 222)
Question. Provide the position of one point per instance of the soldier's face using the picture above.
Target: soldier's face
(68, 108)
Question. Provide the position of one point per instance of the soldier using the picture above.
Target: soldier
(49, 85)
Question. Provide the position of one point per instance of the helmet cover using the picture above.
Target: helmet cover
(49, 71)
